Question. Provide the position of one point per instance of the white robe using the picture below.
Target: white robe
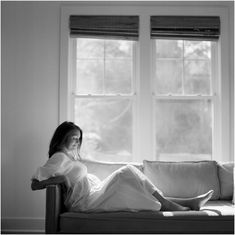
(126, 189)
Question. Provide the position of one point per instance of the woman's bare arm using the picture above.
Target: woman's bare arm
(61, 179)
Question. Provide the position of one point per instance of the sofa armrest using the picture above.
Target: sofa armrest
(54, 206)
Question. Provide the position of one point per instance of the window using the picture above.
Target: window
(183, 87)
(103, 98)
(183, 98)
(169, 100)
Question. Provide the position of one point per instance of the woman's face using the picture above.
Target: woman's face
(73, 141)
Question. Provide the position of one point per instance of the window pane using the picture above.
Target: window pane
(107, 126)
(197, 49)
(169, 48)
(90, 48)
(183, 127)
(90, 75)
(118, 49)
(197, 77)
(168, 77)
(118, 76)
(104, 66)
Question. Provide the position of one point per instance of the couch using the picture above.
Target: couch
(174, 179)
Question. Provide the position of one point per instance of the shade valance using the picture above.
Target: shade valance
(118, 27)
(207, 27)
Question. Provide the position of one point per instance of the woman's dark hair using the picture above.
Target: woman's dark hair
(60, 136)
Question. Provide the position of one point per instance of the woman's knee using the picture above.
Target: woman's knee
(132, 168)
(126, 170)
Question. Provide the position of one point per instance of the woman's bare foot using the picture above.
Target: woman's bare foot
(194, 203)
(169, 205)
(197, 202)
(183, 204)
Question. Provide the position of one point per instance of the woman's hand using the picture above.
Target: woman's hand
(36, 184)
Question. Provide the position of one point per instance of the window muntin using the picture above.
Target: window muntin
(103, 100)
(184, 99)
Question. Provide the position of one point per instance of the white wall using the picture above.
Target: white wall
(30, 79)
(30, 93)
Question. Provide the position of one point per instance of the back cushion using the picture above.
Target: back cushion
(184, 179)
(104, 169)
(226, 180)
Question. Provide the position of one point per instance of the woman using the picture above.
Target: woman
(125, 189)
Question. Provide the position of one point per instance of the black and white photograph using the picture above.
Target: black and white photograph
(117, 117)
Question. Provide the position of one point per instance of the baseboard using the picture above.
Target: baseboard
(18, 225)
(18, 231)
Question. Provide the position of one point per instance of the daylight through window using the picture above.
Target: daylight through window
(103, 104)
(183, 88)
(170, 108)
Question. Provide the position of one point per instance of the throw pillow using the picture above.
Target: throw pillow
(226, 180)
(184, 179)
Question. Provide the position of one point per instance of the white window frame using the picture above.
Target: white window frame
(143, 127)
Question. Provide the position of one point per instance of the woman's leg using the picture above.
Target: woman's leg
(182, 204)
(168, 205)
(131, 175)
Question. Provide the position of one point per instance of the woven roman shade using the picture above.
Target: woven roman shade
(117, 27)
(206, 27)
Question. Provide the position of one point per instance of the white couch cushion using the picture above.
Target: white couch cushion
(104, 169)
(218, 208)
(226, 180)
(183, 179)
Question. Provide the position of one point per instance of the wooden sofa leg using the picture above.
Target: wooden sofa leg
(53, 208)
